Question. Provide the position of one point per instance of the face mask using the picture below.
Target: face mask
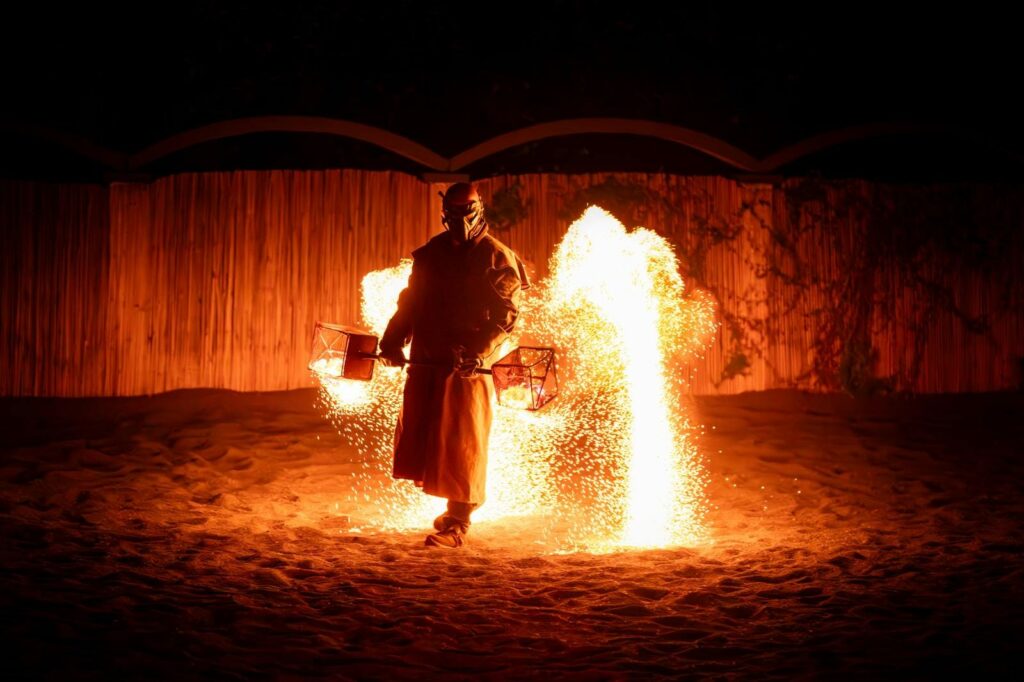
(466, 227)
(461, 228)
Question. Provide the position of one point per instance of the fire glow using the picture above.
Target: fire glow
(612, 462)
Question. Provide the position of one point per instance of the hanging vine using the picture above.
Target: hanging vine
(884, 239)
(507, 208)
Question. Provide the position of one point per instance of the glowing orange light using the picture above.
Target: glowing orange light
(610, 462)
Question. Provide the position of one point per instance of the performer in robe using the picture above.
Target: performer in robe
(460, 305)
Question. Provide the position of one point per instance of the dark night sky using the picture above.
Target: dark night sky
(450, 75)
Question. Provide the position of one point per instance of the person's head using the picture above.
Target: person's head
(462, 212)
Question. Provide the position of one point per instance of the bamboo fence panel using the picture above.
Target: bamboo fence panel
(216, 279)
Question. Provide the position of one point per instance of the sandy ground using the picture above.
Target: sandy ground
(195, 534)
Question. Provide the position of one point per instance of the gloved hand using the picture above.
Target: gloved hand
(393, 358)
(466, 364)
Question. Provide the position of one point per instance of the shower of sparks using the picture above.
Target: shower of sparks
(365, 413)
(380, 290)
(613, 461)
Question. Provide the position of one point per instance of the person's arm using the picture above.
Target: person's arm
(501, 309)
(398, 333)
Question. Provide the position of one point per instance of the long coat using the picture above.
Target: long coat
(457, 296)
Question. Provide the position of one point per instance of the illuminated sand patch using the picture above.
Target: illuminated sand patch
(611, 462)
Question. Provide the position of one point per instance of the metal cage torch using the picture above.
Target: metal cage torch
(526, 378)
(342, 352)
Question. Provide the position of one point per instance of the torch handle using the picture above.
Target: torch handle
(376, 356)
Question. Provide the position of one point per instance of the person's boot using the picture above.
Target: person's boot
(443, 521)
(452, 537)
(457, 512)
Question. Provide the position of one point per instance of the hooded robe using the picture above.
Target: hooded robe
(458, 296)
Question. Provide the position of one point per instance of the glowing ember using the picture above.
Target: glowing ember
(610, 462)
(330, 366)
(526, 378)
(517, 396)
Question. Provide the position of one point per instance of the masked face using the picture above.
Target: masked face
(463, 220)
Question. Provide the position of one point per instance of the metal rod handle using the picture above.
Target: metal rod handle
(376, 356)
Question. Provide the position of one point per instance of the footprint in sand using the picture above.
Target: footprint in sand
(96, 460)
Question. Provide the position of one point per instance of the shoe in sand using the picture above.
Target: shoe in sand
(452, 537)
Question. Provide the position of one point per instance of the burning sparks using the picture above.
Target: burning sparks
(365, 413)
(518, 397)
(612, 462)
(380, 295)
